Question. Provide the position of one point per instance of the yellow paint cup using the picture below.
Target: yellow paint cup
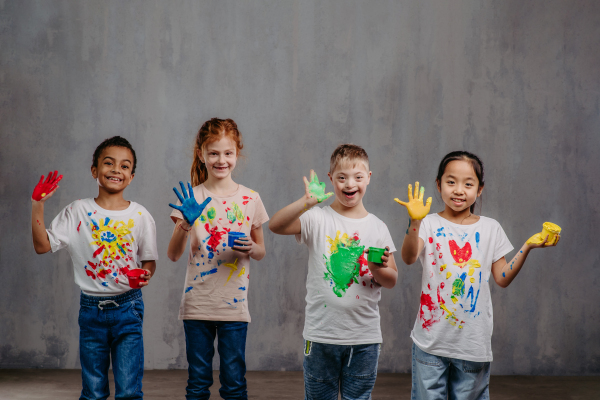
(551, 230)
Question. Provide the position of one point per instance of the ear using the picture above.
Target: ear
(330, 177)
(369, 177)
(94, 172)
(479, 191)
(439, 186)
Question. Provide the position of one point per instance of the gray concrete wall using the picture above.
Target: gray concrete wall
(515, 82)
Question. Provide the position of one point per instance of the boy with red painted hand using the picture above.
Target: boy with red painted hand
(341, 330)
(106, 237)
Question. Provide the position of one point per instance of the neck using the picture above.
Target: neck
(462, 217)
(356, 212)
(222, 187)
(111, 201)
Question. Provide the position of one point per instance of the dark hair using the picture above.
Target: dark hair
(211, 131)
(117, 141)
(465, 156)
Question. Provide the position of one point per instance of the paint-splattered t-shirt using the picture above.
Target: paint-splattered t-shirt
(341, 299)
(217, 278)
(455, 316)
(104, 244)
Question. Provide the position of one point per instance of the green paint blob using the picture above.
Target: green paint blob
(343, 268)
(211, 213)
(202, 219)
(458, 287)
(317, 189)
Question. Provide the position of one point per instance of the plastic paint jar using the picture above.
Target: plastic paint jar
(134, 277)
(551, 230)
(375, 254)
(233, 236)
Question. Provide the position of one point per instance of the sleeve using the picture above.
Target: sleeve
(60, 229)
(385, 238)
(260, 213)
(503, 245)
(147, 250)
(308, 222)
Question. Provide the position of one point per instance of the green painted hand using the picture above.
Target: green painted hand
(415, 207)
(316, 189)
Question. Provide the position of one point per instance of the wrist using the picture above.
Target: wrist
(185, 226)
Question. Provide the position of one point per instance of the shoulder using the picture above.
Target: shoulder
(249, 193)
(138, 210)
(375, 220)
(489, 222)
(85, 205)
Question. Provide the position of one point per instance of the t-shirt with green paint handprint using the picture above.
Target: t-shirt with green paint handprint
(341, 301)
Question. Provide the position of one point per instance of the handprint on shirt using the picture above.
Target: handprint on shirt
(415, 206)
(189, 207)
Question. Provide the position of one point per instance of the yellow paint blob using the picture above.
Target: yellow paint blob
(548, 229)
(448, 274)
(472, 280)
(43, 194)
(233, 267)
(454, 299)
(242, 272)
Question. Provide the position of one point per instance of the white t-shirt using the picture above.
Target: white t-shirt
(104, 244)
(455, 316)
(341, 299)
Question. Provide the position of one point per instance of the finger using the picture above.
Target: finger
(48, 177)
(545, 240)
(178, 208)
(178, 195)
(41, 181)
(397, 200)
(366, 251)
(305, 181)
(410, 195)
(57, 180)
(416, 196)
(421, 193)
(428, 203)
(557, 240)
(312, 175)
(205, 203)
(315, 177)
(183, 191)
(191, 191)
(328, 195)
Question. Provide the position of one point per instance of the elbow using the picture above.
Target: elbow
(172, 256)
(273, 227)
(39, 249)
(409, 260)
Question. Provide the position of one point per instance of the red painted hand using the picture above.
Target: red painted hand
(43, 189)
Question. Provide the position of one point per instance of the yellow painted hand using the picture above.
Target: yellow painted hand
(415, 207)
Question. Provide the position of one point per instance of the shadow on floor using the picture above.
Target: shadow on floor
(31, 384)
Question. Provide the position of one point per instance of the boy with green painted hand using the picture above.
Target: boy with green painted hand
(341, 331)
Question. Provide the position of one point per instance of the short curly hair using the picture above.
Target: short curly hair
(117, 141)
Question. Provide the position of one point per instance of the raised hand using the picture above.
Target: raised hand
(46, 189)
(316, 189)
(189, 207)
(538, 240)
(415, 207)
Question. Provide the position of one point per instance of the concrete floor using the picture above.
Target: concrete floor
(18, 384)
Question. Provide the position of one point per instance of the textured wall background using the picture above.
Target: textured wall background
(515, 82)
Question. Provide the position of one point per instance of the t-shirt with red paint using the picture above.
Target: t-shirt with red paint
(342, 298)
(455, 317)
(104, 244)
(217, 278)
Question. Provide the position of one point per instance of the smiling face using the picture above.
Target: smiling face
(350, 179)
(459, 186)
(113, 172)
(219, 157)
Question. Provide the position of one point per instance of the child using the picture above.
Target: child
(106, 237)
(214, 301)
(341, 330)
(459, 251)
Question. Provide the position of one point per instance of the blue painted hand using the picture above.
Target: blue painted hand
(189, 207)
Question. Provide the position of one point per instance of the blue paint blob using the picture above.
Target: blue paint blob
(204, 273)
(188, 289)
(504, 275)
(104, 283)
(211, 255)
(224, 245)
(235, 300)
(242, 288)
(196, 277)
(477, 239)
(521, 251)
(201, 255)
(90, 214)
(197, 264)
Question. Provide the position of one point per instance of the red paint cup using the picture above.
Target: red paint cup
(134, 277)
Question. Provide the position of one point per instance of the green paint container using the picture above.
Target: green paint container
(375, 254)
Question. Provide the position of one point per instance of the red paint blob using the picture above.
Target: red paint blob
(430, 240)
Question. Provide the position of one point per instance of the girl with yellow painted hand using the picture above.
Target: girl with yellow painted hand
(460, 252)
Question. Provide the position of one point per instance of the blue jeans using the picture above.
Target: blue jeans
(200, 349)
(331, 368)
(435, 377)
(111, 327)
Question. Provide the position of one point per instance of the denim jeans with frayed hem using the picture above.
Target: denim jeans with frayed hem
(330, 369)
(441, 378)
(111, 328)
(200, 349)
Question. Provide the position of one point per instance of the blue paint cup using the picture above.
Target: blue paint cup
(233, 236)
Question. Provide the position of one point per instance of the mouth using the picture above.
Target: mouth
(458, 202)
(114, 179)
(224, 168)
(350, 194)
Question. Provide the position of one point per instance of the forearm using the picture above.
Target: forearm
(511, 269)
(283, 220)
(41, 243)
(178, 241)
(386, 277)
(150, 266)
(410, 245)
(258, 251)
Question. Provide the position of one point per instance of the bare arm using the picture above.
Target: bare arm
(412, 244)
(287, 220)
(42, 192)
(178, 239)
(386, 273)
(504, 272)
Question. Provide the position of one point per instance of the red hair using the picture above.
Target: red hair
(211, 131)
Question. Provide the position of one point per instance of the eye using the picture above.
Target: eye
(107, 163)
(450, 182)
(125, 166)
